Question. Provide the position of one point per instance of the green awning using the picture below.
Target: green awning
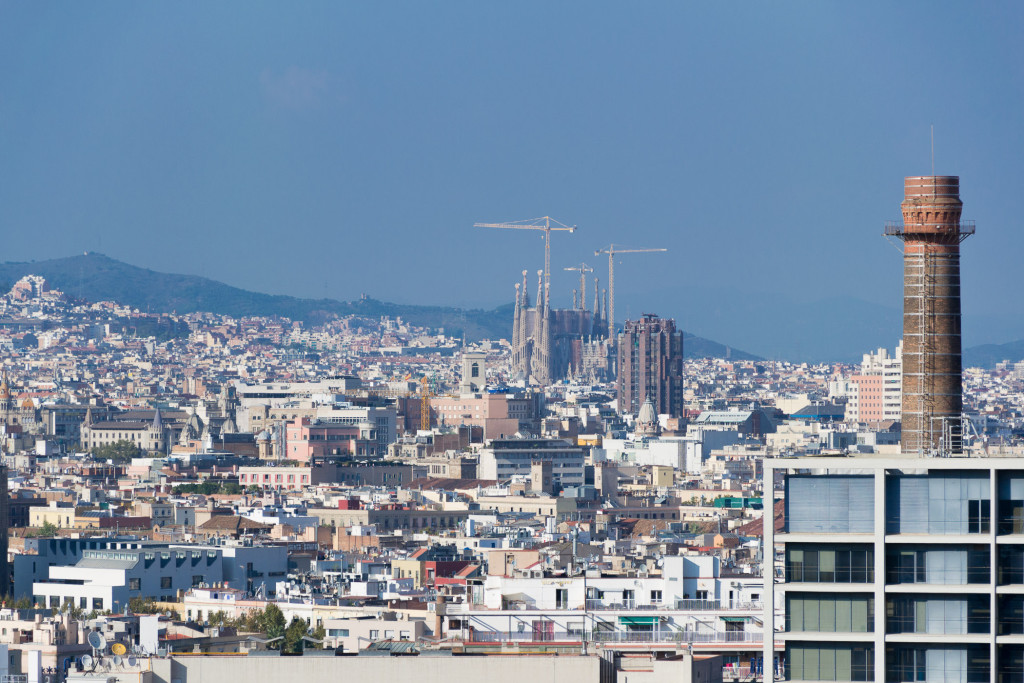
(739, 619)
(639, 621)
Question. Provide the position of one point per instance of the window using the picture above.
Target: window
(830, 504)
(910, 663)
(337, 632)
(1011, 615)
(165, 582)
(937, 615)
(979, 512)
(374, 634)
(829, 613)
(831, 662)
(1011, 564)
(1011, 504)
(836, 564)
(97, 604)
(950, 565)
(938, 503)
(655, 596)
(134, 584)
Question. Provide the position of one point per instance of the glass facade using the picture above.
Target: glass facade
(830, 662)
(1011, 503)
(1011, 664)
(1011, 565)
(940, 565)
(938, 503)
(943, 663)
(952, 615)
(1011, 615)
(812, 563)
(830, 613)
(830, 504)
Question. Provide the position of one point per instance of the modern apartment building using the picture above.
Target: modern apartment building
(897, 569)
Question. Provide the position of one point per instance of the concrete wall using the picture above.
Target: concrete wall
(422, 669)
(643, 668)
(632, 668)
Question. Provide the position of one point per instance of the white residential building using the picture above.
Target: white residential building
(502, 459)
(106, 579)
(876, 393)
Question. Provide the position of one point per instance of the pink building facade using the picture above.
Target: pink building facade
(308, 439)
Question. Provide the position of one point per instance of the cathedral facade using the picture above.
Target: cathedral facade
(549, 344)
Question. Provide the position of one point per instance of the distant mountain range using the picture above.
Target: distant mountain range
(96, 277)
(816, 326)
(987, 355)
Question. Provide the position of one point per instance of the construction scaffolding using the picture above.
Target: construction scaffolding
(931, 233)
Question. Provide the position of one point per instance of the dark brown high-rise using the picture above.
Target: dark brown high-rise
(932, 372)
(5, 527)
(651, 366)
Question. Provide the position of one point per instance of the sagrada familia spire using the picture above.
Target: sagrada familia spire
(550, 344)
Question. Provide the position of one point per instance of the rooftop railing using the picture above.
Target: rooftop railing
(682, 637)
(600, 605)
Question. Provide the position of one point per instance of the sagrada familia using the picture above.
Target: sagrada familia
(549, 344)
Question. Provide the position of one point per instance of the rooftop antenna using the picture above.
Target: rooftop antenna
(933, 149)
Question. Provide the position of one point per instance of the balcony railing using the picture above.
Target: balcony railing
(596, 605)
(713, 637)
(683, 637)
(684, 605)
(963, 229)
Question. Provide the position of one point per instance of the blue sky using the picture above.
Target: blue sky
(338, 148)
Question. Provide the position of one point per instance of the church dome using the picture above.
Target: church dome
(647, 420)
(647, 414)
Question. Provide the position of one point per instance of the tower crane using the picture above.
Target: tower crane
(582, 269)
(425, 404)
(543, 223)
(612, 250)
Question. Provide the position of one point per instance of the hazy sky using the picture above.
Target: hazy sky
(340, 147)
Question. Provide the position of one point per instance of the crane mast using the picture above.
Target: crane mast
(543, 223)
(612, 250)
(425, 404)
(582, 269)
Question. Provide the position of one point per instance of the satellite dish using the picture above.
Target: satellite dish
(132, 661)
(87, 661)
(97, 641)
(117, 660)
(118, 649)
